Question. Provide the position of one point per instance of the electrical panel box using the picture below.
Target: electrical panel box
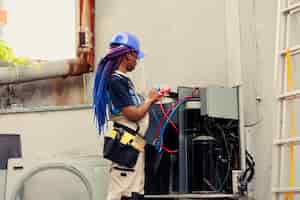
(219, 102)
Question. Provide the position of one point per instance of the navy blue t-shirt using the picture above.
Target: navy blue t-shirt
(121, 93)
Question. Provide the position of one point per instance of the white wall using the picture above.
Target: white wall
(258, 30)
(184, 42)
(265, 13)
(49, 134)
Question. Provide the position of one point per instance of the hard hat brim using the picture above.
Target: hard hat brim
(140, 55)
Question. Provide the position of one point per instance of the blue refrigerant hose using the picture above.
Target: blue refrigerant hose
(162, 130)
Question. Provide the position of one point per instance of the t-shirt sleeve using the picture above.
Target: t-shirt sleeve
(119, 93)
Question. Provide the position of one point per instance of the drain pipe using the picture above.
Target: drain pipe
(43, 70)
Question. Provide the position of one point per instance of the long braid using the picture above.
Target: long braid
(104, 70)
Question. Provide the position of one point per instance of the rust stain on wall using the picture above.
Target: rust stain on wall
(67, 91)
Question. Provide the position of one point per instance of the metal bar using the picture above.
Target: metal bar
(194, 196)
(183, 142)
(285, 95)
(283, 114)
(295, 11)
(287, 141)
(290, 8)
(278, 78)
(242, 127)
(286, 189)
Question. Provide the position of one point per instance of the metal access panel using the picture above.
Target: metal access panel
(219, 102)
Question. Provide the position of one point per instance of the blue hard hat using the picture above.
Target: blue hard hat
(129, 40)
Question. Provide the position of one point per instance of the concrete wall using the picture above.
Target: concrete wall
(258, 31)
(184, 43)
(265, 17)
(50, 134)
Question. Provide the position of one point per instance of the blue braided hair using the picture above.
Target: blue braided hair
(107, 65)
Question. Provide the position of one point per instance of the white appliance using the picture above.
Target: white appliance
(77, 178)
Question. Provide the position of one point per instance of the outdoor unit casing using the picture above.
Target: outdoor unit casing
(219, 102)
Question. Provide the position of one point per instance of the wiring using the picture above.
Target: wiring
(160, 124)
(250, 171)
(166, 116)
(253, 124)
(228, 157)
(157, 120)
(160, 145)
(168, 150)
(162, 120)
(163, 128)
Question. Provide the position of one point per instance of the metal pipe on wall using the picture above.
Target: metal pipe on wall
(44, 70)
(83, 63)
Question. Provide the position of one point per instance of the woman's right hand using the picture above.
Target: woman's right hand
(154, 95)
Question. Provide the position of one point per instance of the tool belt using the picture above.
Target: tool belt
(122, 145)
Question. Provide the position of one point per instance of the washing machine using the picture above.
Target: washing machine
(76, 178)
